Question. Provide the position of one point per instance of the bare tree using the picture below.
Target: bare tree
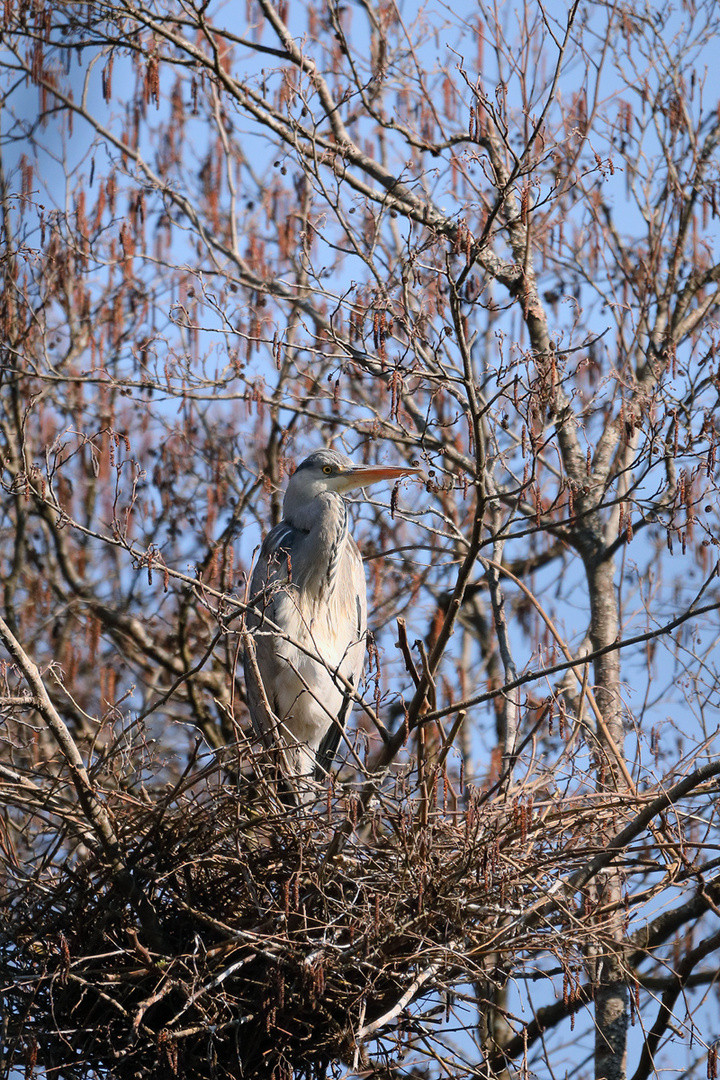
(485, 243)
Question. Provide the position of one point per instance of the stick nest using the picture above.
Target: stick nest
(273, 940)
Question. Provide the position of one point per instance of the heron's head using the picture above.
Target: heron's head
(329, 471)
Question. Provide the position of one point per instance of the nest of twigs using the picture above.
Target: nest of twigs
(271, 940)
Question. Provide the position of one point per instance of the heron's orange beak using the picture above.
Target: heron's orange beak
(360, 476)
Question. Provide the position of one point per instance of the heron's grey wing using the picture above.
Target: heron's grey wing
(272, 565)
(271, 571)
(355, 602)
(257, 708)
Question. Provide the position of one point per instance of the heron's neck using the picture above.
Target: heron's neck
(324, 521)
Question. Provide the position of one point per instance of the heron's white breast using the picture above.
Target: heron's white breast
(307, 696)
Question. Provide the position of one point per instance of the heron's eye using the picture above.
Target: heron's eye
(327, 469)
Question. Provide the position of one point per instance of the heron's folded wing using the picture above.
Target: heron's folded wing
(271, 571)
(274, 563)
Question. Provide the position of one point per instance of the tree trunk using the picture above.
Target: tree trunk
(607, 973)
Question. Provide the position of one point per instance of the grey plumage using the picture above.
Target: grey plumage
(309, 582)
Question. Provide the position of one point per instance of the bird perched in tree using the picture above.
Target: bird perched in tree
(309, 584)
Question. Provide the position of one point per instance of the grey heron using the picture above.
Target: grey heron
(309, 583)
